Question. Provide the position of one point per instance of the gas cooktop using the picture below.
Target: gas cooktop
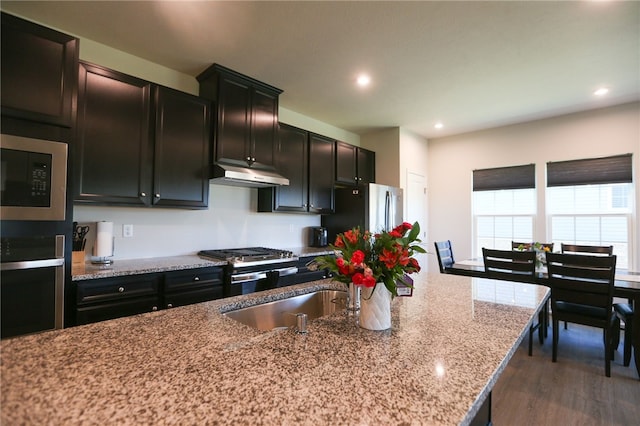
(250, 256)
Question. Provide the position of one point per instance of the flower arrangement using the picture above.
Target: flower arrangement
(540, 249)
(365, 259)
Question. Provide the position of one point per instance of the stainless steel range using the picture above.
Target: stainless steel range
(253, 269)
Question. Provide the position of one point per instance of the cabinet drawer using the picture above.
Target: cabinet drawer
(93, 291)
(192, 278)
(116, 309)
(202, 294)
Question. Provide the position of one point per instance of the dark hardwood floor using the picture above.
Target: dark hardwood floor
(573, 391)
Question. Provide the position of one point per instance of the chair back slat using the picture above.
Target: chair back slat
(509, 264)
(576, 248)
(445, 254)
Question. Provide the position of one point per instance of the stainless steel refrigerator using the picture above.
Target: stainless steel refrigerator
(373, 207)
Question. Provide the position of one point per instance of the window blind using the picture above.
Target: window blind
(590, 171)
(514, 177)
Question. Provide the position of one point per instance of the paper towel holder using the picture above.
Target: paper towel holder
(104, 239)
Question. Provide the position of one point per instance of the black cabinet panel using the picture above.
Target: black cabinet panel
(39, 72)
(292, 161)
(366, 166)
(321, 174)
(233, 129)
(113, 151)
(105, 311)
(182, 140)
(192, 286)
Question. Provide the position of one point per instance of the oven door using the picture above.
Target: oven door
(32, 294)
(257, 278)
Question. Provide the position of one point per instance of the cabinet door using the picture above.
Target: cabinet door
(113, 151)
(292, 161)
(39, 72)
(232, 128)
(366, 166)
(182, 139)
(321, 174)
(346, 159)
(264, 122)
(192, 286)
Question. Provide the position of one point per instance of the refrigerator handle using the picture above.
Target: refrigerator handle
(387, 208)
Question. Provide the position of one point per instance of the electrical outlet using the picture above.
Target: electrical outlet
(127, 231)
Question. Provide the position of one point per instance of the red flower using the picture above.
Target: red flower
(414, 264)
(403, 257)
(389, 258)
(339, 242)
(357, 278)
(396, 234)
(369, 282)
(352, 236)
(357, 257)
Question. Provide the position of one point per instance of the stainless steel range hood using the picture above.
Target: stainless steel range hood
(223, 174)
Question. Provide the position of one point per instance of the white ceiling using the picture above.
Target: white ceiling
(472, 65)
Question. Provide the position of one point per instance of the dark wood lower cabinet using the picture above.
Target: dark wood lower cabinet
(192, 286)
(108, 298)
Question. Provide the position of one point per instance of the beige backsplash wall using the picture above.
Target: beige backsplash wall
(231, 221)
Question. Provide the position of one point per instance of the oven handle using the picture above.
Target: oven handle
(287, 271)
(251, 276)
(31, 264)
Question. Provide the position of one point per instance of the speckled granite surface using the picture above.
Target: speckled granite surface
(88, 271)
(191, 365)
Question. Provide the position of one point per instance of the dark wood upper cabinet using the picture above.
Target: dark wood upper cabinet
(354, 165)
(322, 156)
(307, 160)
(39, 72)
(182, 142)
(140, 144)
(114, 149)
(246, 117)
(292, 161)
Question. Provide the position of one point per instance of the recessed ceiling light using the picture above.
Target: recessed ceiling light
(363, 80)
(601, 91)
(439, 125)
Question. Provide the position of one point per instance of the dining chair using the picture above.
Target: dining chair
(445, 255)
(625, 313)
(517, 266)
(582, 293)
(585, 249)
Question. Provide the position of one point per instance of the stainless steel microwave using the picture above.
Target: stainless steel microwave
(33, 178)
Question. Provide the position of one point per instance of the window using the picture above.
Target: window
(589, 202)
(504, 206)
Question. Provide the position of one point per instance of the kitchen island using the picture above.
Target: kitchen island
(191, 365)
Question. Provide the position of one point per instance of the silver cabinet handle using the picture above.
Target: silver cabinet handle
(143, 194)
(196, 278)
(169, 305)
(31, 264)
(155, 308)
(121, 289)
(157, 195)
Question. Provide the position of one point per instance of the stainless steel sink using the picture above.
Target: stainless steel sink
(282, 313)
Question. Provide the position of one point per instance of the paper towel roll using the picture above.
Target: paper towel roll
(103, 246)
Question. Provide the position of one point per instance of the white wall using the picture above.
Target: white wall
(596, 133)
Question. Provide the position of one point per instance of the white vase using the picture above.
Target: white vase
(375, 308)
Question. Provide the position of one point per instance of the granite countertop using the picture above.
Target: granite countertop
(88, 271)
(191, 365)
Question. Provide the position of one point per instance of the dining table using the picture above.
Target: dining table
(627, 286)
